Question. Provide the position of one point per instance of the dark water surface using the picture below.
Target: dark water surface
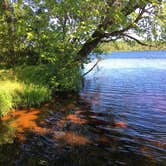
(119, 118)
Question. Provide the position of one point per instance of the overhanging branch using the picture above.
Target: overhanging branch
(91, 68)
(119, 32)
(137, 40)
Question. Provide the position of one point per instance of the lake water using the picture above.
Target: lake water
(119, 118)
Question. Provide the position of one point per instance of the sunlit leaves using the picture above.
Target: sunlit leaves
(52, 28)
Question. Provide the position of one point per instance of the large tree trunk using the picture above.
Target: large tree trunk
(101, 33)
(88, 47)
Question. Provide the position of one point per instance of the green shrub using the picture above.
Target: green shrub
(69, 80)
(28, 86)
(38, 74)
(66, 78)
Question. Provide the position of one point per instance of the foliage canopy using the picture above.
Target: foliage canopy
(65, 32)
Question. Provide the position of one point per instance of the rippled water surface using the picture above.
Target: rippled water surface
(119, 118)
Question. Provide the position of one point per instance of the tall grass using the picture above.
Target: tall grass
(6, 103)
(14, 94)
(8, 91)
(34, 95)
(28, 86)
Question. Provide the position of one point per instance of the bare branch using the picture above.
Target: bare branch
(138, 41)
(91, 68)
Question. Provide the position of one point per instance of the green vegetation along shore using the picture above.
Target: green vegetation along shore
(129, 46)
(44, 44)
(31, 85)
(16, 93)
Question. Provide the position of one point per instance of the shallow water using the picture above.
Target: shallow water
(119, 118)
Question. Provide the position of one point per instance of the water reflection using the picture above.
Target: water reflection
(118, 119)
(70, 132)
(71, 138)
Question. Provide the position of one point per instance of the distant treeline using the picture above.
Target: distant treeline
(129, 46)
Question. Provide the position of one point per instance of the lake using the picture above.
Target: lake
(119, 118)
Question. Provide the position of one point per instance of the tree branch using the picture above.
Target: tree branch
(138, 41)
(100, 34)
(91, 68)
(119, 32)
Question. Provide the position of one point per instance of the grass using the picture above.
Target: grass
(34, 95)
(29, 85)
(8, 90)
(15, 92)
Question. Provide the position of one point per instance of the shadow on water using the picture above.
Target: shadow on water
(68, 132)
(117, 119)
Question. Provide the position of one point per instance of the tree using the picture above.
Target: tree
(64, 32)
(7, 17)
(87, 23)
(75, 28)
(135, 17)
